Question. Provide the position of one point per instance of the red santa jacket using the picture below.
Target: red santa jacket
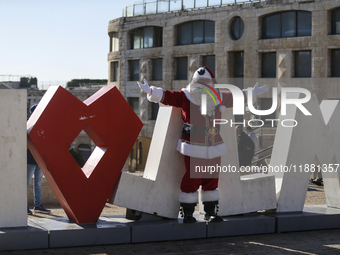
(206, 142)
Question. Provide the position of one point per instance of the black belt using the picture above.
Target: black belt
(189, 129)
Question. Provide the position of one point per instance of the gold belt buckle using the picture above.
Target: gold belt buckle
(211, 131)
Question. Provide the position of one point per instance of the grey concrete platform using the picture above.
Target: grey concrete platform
(116, 229)
(65, 233)
(164, 230)
(313, 217)
(30, 237)
(246, 224)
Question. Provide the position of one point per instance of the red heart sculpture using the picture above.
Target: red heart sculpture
(112, 125)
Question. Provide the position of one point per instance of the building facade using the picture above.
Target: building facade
(280, 43)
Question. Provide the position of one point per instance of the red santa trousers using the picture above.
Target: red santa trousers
(208, 181)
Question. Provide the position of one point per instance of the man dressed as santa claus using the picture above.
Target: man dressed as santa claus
(200, 143)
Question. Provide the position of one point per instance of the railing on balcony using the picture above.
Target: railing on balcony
(162, 6)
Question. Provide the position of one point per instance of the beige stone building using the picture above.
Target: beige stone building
(280, 43)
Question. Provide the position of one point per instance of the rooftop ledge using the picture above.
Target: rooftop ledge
(146, 7)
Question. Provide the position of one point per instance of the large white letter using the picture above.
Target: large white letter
(297, 101)
(262, 112)
(314, 141)
(238, 97)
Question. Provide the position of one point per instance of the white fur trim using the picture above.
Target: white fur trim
(187, 94)
(188, 198)
(199, 151)
(210, 195)
(156, 95)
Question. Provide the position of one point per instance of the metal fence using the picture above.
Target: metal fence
(161, 6)
(11, 77)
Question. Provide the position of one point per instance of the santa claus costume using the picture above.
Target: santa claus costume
(200, 143)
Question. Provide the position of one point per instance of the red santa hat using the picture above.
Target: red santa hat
(204, 72)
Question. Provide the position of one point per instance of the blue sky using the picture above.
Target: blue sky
(56, 40)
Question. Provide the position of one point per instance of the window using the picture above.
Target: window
(335, 63)
(157, 69)
(197, 32)
(239, 64)
(335, 21)
(303, 64)
(146, 37)
(134, 104)
(209, 31)
(137, 38)
(268, 65)
(271, 27)
(114, 44)
(287, 24)
(209, 61)
(134, 70)
(194, 32)
(236, 28)
(238, 72)
(182, 68)
(114, 71)
(304, 24)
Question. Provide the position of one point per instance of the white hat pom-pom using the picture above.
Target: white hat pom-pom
(222, 108)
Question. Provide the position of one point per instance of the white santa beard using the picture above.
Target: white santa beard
(196, 96)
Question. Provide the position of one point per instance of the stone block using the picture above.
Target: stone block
(13, 155)
(166, 230)
(157, 192)
(247, 224)
(22, 238)
(244, 194)
(301, 155)
(65, 233)
(313, 217)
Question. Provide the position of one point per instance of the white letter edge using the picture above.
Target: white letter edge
(242, 194)
(315, 140)
(157, 192)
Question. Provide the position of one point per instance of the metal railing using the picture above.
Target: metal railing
(11, 77)
(258, 153)
(162, 6)
(259, 132)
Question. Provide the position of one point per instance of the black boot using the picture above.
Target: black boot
(211, 209)
(187, 211)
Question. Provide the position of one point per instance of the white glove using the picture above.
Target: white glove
(259, 90)
(145, 87)
(256, 91)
